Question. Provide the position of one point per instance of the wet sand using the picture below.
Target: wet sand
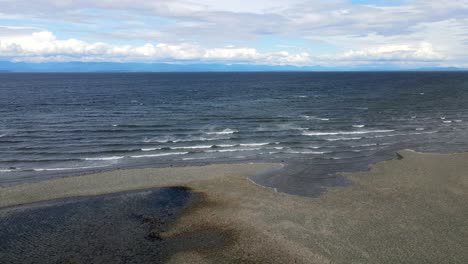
(113, 228)
(125, 180)
(408, 210)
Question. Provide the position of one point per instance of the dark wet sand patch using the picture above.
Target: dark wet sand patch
(116, 228)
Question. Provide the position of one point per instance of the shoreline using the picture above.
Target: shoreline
(52, 175)
(277, 169)
(408, 209)
(122, 180)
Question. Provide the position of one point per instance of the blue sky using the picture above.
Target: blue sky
(402, 33)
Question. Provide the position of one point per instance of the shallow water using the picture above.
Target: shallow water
(60, 124)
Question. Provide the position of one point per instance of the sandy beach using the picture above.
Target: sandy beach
(408, 210)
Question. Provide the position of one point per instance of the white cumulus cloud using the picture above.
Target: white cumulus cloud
(43, 46)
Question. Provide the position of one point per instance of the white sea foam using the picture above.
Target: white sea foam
(279, 128)
(225, 145)
(316, 118)
(61, 169)
(254, 144)
(343, 138)
(223, 132)
(419, 129)
(306, 133)
(159, 155)
(158, 139)
(364, 145)
(359, 126)
(106, 158)
(150, 149)
(200, 139)
(188, 139)
(307, 152)
(420, 133)
(2, 135)
(406, 134)
(232, 150)
(194, 147)
(203, 158)
(447, 121)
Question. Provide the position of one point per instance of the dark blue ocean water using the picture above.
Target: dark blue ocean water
(328, 122)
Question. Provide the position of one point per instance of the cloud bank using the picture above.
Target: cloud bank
(336, 32)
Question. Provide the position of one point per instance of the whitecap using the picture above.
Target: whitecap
(365, 145)
(307, 152)
(305, 133)
(198, 139)
(407, 134)
(189, 139)
(159, 155)
(232, 150)
(106, 158)
(447, 121)
(343, 138)
(194, 147)
(150, 149)
(223, 132)
(60, 169)
(254, 144)
(359, 126)
(195, 158)
(419, 129)
(225, 145)
(159, 139)
(315, 118)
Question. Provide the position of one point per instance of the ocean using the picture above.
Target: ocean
(323, 123)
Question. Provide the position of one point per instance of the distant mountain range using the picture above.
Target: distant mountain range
(6, 66)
